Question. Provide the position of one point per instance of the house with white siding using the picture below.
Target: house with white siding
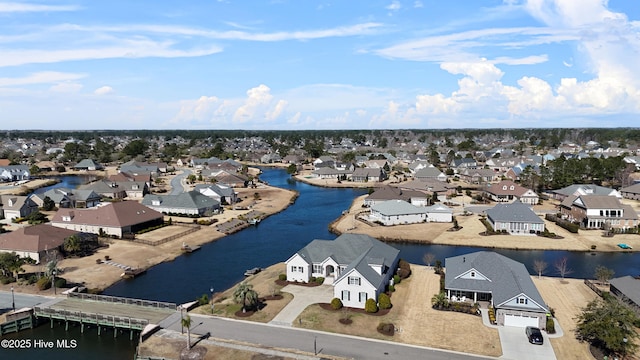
(358, 267)
(515, 218)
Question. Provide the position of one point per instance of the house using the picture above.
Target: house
(46, 165)
(430, 173)
(119, 189)
(596, 211)
(117, 219)
(388, 192)
(35, 241)
(584, 189)
(191, 203)
(14, 173)
(439, 213)
(505, 283)
(631, 192)
(429, 187)
(397, 212)
(479, 176)
(507, 190)
(515, 218)
(14, 206)
(459, 165)
(627, 290)
(219, 192)
(88, 165)
(358, 266)
(64, 197)
(368, 174)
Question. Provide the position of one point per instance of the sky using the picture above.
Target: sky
(303, 65)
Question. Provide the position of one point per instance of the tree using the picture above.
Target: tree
(603, 274)
(135, 148)
(292, 169)
(48, 204)
(245, 295)
(610, 325)
(428, 259)
(11, 263)
(36, 217)
(539, 266)
(186, 322)
(440, 300)
(72, 244)
(438, 267)
(562, 267)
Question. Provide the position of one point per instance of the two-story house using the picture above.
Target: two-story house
(599, 211)
(358, 266)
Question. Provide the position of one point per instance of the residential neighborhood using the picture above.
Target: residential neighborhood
(423, 191)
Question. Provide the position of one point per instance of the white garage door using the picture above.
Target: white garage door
(520, 321)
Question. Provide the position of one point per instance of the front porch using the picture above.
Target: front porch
(469, 296)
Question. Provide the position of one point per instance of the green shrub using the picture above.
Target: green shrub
(44, 283)
(370, 306)
(320, 280)
(336, 303)
(396, 279)
(392, 288)
(282, 277)
(384, 301)
(60, 282)
(551, 326)
(203, 300)
(6, 280)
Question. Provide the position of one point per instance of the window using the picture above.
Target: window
(473, 274)
(353, 280)
(362, 297)
(317, 269)
(345, 295)
(294, 269)
(522, 301)
(300, 269)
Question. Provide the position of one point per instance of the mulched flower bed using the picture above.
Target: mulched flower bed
(271, 297)
(455, 229)
(247, 313)
(345, 321)
(381, 312)
(285, 282)
(386, 329)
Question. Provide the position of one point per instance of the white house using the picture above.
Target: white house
(439, 213)
(515, 218)
(358, 266)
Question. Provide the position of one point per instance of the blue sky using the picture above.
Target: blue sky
(298, 64)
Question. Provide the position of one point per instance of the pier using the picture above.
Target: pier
(110, 312)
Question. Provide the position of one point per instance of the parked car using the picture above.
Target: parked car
(534, 335)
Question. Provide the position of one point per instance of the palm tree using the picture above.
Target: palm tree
(186, 322)
(244, 293)
(72, 244)
(440, 300)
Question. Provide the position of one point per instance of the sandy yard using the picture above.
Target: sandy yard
(469, 235)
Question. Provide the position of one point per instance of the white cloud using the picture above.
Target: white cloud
(14, 7)
(276, 111)
(104, 90)
(43, 77)
(418, 4)
(257, 98)
(66, 87)
(394, 6)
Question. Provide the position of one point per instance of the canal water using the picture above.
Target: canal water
(222, 263)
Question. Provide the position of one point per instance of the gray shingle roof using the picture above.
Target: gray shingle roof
(354, 251)
(628, 286)
(187, 200)
(514, 212)
(508, 278)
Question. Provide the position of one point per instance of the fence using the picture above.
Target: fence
(592, 285)
(92, 318)
(123, 300)
(192, 229)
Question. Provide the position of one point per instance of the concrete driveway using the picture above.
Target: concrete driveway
(303, 296)
(516, 346)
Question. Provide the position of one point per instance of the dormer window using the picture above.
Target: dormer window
(155, 202)
(66, 218)
(512, 187)
(473, 274)
(522, 301)
(504, 187)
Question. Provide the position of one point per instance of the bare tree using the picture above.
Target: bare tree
(603, 274)
(562, 267)
(428, 258)
(539, 266)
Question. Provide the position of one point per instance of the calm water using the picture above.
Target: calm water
(222, 263)
(67, 181)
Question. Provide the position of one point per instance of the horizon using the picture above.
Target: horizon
(284, 65)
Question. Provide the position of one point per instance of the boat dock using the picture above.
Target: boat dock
(105, 312)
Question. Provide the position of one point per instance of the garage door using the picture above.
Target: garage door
(520, 320)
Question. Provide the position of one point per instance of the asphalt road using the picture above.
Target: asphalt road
(314, 341)
(176, 182)
(21, 300)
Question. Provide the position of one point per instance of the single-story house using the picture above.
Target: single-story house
(388, 192)
(358, 266)
(88, 165)
(35, 241)
(14, 173)
(631, 192)
(368, 174)
(219, 192)
(397, 212)
(64, 197)
(503, 282)
(119, 189)
(430, 172)
(507, 191)
(191, 203)
(515, 218)
(115, 219)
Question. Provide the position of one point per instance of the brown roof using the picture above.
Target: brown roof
(598, 202)
(116, 214)
(393, 193)
(35, 238)
(5, 162)
(498, 189)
